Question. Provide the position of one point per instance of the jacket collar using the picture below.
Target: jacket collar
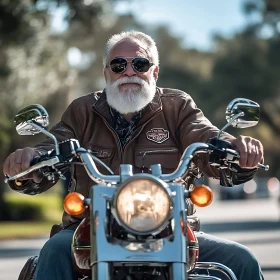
(102, 108)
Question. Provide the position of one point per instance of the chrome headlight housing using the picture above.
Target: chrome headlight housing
(142, 204)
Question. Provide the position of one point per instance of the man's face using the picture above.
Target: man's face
(129, 91)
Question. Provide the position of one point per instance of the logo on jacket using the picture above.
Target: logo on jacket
(158, 135)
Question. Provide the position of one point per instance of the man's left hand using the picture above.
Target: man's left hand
(250, 149)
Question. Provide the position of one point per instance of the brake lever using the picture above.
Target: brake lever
(41, 164)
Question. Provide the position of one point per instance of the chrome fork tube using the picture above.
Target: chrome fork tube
(100, 269)
(179, 269)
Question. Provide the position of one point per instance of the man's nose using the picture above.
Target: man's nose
(129, 71)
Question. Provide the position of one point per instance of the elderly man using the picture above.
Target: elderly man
(120, 124)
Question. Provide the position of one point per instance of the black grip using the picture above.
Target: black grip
(38, 159)
(35, 160)
(220, 144)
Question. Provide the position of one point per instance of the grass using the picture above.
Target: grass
(12, 230)
(49, 207)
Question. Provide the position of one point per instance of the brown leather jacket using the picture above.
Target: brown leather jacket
(167, 126)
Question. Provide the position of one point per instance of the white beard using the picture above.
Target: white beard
(132, 99)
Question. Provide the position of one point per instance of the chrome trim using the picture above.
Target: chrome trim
(183, 166)
(44, 131)
(78, 248)
(241, 114)
(203, 277)
(92, 170)
(194, 222)
(147, 246)
(186, 160)
(215, 266)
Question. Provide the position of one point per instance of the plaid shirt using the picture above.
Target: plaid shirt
(123, 127)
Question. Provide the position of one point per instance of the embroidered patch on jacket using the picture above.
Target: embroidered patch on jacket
(100, 153)
(158, 135)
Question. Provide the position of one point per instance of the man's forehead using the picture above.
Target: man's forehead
(129, 48)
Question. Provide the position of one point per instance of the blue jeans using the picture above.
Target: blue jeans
(232, 254)
(55, 260)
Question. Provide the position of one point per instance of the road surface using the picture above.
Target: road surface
(254, 223)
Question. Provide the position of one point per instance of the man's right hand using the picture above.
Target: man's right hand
(19, 161)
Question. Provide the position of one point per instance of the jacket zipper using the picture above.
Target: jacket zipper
(158, 151)
(141, 128)
(144, 153)
(114, 133)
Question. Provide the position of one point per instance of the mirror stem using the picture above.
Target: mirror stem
(46, 133)
(240, 114)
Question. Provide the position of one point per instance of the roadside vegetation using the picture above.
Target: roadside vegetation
(30, 216)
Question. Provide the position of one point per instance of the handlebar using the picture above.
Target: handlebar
(93, 172)
(49, 162)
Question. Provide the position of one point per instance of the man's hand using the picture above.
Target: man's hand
(250, 149)
(19, 161)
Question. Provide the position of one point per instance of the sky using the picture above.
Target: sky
(193, 20)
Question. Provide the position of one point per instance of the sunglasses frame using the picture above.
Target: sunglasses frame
(130, 59)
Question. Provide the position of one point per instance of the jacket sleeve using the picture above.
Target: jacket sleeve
(193, 127)
(68, 128)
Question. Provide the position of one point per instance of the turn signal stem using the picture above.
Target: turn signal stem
(187, 194)
(87, 202)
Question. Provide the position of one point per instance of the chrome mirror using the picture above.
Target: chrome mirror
(30, 115)
(242, 113)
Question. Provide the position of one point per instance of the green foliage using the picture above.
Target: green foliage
(11, 229)
(19, 207)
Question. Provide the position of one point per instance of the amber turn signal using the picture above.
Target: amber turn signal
(201, 196)
(74, 204)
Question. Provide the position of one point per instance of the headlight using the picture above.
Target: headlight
(143, 205)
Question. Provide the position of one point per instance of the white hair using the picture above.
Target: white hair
(141, 37)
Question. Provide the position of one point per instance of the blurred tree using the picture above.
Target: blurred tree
(43, 59)
(35, 56)
(267, 10)
(247, 66)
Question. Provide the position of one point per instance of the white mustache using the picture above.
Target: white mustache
(124, 80)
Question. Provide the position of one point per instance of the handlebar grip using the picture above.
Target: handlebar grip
(237, 155)
(35, 160)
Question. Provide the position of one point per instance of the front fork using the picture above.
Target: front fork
(104, 252)
(174, 252)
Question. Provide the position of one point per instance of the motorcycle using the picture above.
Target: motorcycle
(138, 226)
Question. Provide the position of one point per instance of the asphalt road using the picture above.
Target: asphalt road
(254, 223)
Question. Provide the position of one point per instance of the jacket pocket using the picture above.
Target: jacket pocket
(168, 158)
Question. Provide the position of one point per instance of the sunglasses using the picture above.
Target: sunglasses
(139, 64)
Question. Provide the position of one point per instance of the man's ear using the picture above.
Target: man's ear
(155, 73)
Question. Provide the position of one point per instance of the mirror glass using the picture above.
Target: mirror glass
(24, 119)
(249, 110)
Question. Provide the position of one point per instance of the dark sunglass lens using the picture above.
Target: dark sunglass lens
(141, 64)
(118, 65)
